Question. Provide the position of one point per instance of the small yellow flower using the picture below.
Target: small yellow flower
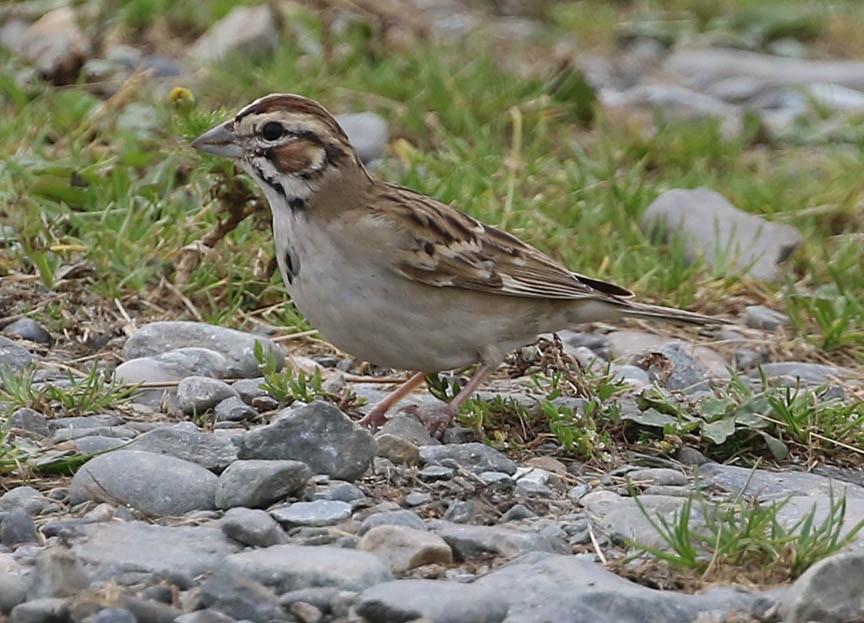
(182, 98)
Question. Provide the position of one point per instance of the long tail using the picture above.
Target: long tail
(641, 310)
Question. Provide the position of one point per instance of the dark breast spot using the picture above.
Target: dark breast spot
(297, 204)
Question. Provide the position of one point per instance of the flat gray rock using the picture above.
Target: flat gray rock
(531, 586)
(240, 597)
(317, 513)
(438, 601)
(237, 347)
(131, 550)
(319, 435)
(718, 231)
(701, 67)
(292, 567)
(473, 457)
(258, 484)
(404, 518)
(367, 132)
(173, 365)
(805, 372)
(185, 441)
(471, 541)
(155, 484)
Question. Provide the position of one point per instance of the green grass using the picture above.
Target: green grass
(744, 539)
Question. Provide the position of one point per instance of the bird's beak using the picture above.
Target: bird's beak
(221, 141)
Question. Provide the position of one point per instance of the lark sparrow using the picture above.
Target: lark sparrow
(392, 276)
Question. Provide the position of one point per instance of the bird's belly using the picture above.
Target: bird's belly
(401, 324)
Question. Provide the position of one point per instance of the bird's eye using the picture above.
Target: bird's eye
(272, 130)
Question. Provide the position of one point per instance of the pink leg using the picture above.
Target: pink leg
(437, 419)
(378, 415)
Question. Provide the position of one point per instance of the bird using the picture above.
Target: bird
(395, 277)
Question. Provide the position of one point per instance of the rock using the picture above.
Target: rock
(367, 132)
(399, 451)
(129, 551)
(55, 45)
(258, 484)
(250, 389)
(802, 372)
(30, 420)
(701, 67)
(155, 484)
(197, 394)
(409, 428)
(24, 497)
(237, 347)
(59, 573)
(173, 365)
(471, 541)
(404, 518)
(255, 528)
(684, 370)
(828, 592)
(714, 228)
(634, 376)
(240, 598)
(434, 473)
(233, 409)
(293, 567)
(336, 490)
(517, 512)
(204, 616)
(248, 31)
(104, 420)
(321, 598)
(428, 600)
(17, 527)
(837, 97)
(28, 329)
(761, 317)
(460, 511)
(474, 457)
(317, 513)
(94, 444)
(417, 498)
(114, 615)
(13, 591)
(662, 476)
(672, 102)
(531, 588)
(319, 435)
(46, 610)
(184, 441)
(14, 356)
(405, 548)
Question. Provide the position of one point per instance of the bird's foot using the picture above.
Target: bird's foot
(435, 418)
(375, 419)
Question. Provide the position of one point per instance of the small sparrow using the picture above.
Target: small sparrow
(392, 276)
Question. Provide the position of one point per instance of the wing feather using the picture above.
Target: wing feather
(441, 246)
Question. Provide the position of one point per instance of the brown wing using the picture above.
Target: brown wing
(444, 247)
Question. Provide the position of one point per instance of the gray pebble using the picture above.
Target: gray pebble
(761, 317)
(399, 451)
(30, 420)
(234, 409)
(237, 347)
(102, 420)
(319, 435)
(657, 476)
(28, 329)
(24, 497)
(93, 444)
(367, 132)
(249, 389)
(460, 511)
(114, 615)
(17, 527)
(252, 527)
(317, 513)
(184, 441)
(204, 616)
(417, 498)
(151, 483)
(337, 490)
(240, 597)
(517, 512)
(431, 473)
(405, 518)
(197, 394)
(45, 610)
(13, 591)
(475, 457)
(257, 484)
